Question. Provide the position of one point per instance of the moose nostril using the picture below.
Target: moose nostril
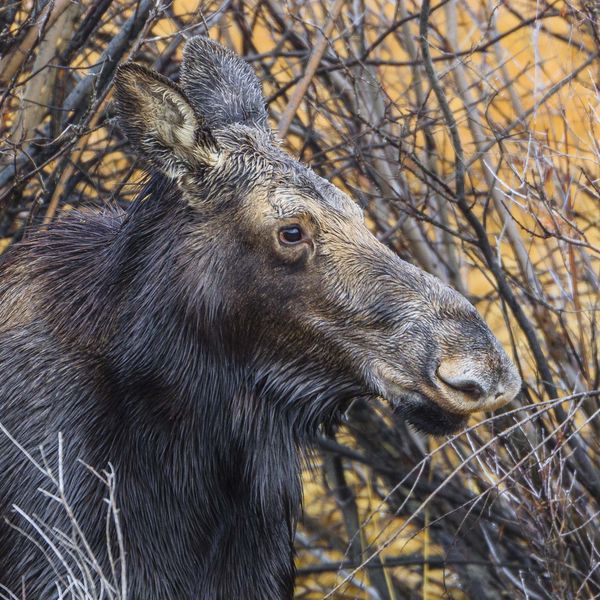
(468, 387)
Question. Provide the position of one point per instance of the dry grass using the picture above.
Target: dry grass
(78, 573)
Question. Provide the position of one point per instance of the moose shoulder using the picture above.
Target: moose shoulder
(199, 339)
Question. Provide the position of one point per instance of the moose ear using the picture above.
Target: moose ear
(222, 86)
(160, 122)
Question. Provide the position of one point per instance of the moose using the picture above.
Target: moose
(200, 339)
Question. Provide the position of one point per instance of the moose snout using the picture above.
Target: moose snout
(468, 388)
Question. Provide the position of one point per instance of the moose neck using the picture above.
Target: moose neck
(202, 439)
(226, 480)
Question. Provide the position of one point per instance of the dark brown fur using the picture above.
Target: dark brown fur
(185, 342)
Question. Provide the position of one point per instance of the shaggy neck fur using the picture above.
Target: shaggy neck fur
(205, 450)
(211, 463)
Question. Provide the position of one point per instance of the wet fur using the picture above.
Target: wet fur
(182, 343)
(207, 470)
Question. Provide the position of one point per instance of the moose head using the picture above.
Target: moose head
(306, 298)
(198, 339)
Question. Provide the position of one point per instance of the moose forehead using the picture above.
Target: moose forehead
(294, 187)
(297, 195)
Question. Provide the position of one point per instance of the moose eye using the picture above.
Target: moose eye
(291, 235)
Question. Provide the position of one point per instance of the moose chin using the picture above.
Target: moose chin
(426, 416)
(198, 341)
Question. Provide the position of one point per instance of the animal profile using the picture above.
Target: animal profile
(198, 341)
